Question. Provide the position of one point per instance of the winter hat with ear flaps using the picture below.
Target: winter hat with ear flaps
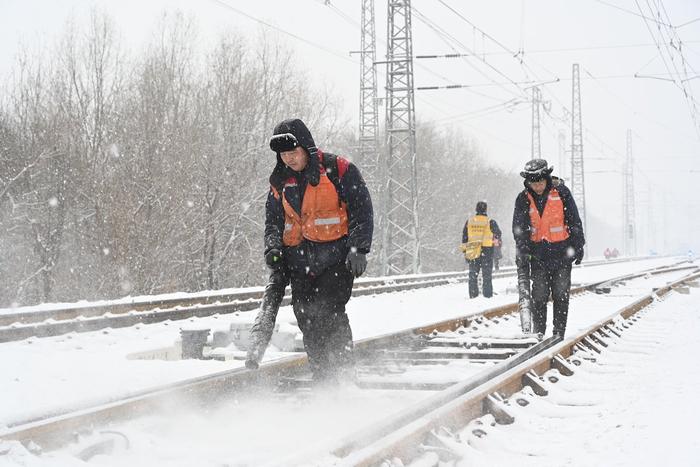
(299, 130)
(536, 169)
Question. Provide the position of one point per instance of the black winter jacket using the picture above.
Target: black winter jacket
(554, 255)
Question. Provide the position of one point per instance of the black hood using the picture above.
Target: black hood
(300, 131)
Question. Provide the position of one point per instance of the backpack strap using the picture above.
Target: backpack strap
(335, 167)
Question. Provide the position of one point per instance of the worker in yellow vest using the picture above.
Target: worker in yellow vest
(483, 233)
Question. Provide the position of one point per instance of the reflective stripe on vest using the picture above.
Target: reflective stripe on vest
(324, 217)
(478, 227)
(327, 221)
(550, 226)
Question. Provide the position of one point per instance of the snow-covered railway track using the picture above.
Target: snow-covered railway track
(20, 326)
(436, 362)
(92, 317)
(449, 433)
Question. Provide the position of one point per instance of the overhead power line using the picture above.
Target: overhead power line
(271, 26)
(558, 50)
(451, 41)
(632, 12)
(669, 46)
(517, 55)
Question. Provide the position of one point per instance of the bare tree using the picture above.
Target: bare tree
(39, 203)
(454, 177)
(149, 174)
(88, 84)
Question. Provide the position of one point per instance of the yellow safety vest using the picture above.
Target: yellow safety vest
(478, 227)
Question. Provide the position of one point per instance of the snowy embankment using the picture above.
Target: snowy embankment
(637, 405)
(56, 374)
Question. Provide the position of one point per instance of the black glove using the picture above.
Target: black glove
(522, 249)
(273, 258)
(252, 357)
(356, 263)
(578, 256)
(522, 254)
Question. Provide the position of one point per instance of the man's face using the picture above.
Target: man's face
(538, 186)
(296, 159)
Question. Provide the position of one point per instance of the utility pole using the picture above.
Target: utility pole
(369, 118)
(400, 245)
(369, 114)
(577, 183)
(629, 235)
(536, 100)
(650, 222)
(561, 137)
(664, 223)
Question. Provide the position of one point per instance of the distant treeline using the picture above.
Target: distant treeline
(147, 173)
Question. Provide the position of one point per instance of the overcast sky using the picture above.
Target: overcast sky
(608, 38)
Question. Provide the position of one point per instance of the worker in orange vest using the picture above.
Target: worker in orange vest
(549, 238)
(318, 231)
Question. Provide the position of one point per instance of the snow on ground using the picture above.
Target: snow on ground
(237, 433)
(637, 405)
(40, 376)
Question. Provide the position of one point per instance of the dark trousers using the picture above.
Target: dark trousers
(319, 306)
(545, 281)
(485, 264)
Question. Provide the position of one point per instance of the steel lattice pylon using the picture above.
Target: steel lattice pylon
(628, 233)
(561, 170)
(578, 187)
(400, 245)
(369, 117)
(369, 114)
(536, 101)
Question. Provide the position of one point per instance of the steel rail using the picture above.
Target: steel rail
(245, 299)
(402, 436)
(56, 429)
(58, 322)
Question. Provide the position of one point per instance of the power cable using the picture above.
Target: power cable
(446, 37)
(576, 49)
(271, 26)
(340, 13)
(630, 108)
(632, 12)
(495, 41)
(507, 105)
(678, 80)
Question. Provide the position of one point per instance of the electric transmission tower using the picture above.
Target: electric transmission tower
(629, 237)
(561, 137)
(577, 183)
(536, 100)
(369, 114)
(400, 244)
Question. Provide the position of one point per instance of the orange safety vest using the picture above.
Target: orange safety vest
(550, 225)
(324, 217)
